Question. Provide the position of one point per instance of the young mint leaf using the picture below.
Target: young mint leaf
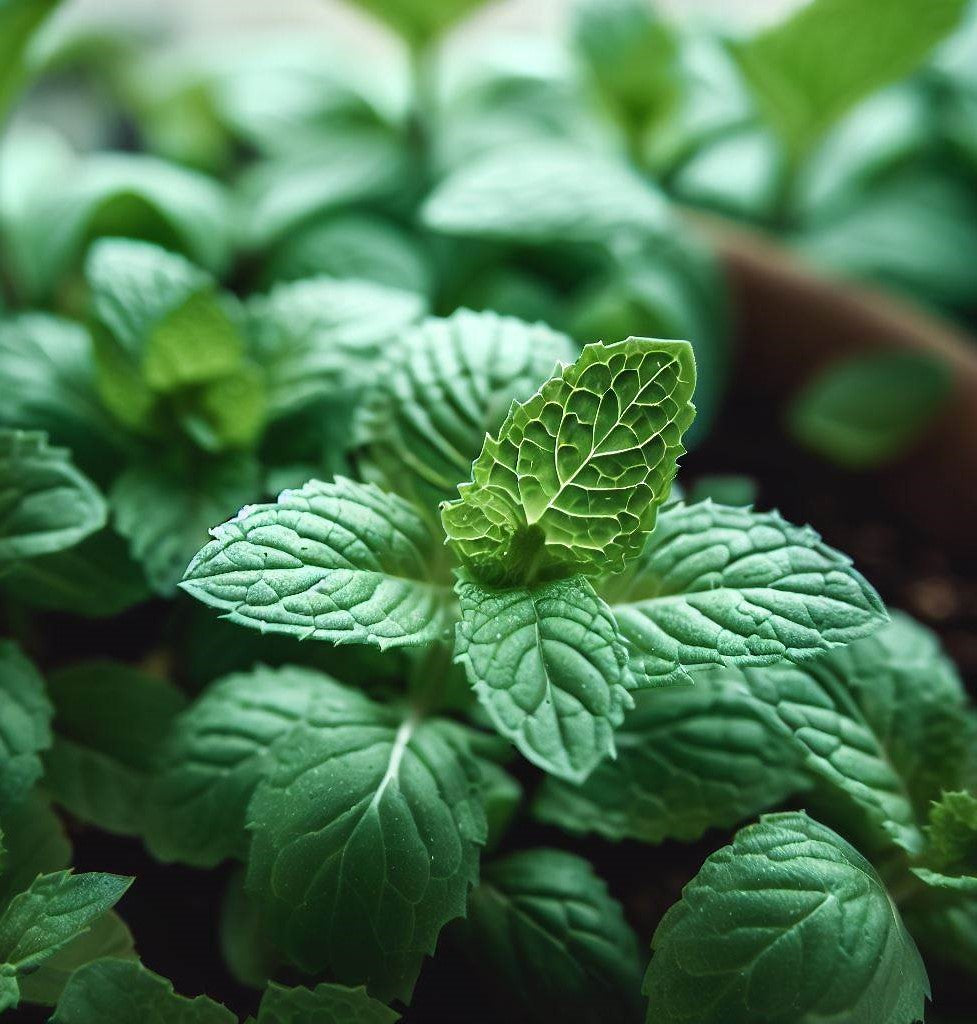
(46, 504)
(549, 667)
(95, 579)
(107, 937)
(808, 70)
(365, 836)
(832, 418)
(419, 21)
(552, 941)
(324, 336)
(789, 925)
(689, 758)
(542, 192)
(116, 991)
(25, 715)
(35, 842)
(574, 479)
(52, 912)
(446, 384)
(717, 585)
(324, 1004)
(18, 21)
(341, 561)
(110, 720)
(48, 383)
(165, 508)
(501, 796)
(950, 861)
(215, 755)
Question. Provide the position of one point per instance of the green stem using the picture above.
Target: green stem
(427, 682)
(424, 100)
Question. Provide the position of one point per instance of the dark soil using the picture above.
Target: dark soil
(173, 910)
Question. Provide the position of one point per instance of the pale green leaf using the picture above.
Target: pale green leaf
(575, 476)
(324, 1004)
(806, 71)
(46, 504)
(25, 715)
(546, 192)
(215, 755)
(365, 836)
(324, 336)
(419, 20)
(53, 911)
(116, 991)
(868, 410)
(549, 667)
(551, 940)
(718, 585)
(337, 561)
(787, 925)
(166, 507)
(110, 720)
(445, 385)
(688, 759)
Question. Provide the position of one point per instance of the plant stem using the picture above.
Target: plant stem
(428, 678)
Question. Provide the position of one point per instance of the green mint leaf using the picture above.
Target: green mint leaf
(25, 715)
(808, 70)
(725, 489)
(501, 796)
(18, 21)
(549, 666)
(35, 842)
(365, 836)
(112, 193)
(717, 585)
(545, 192)
(419, 20)
(48, 383)
(552, 941)
(950, 860)
(322, 337)
(164, 508)
(109, 720)
(247, 951)
(337, 561)
(689, 758)
(46, 504)
(9, 993)
(94, 579)
(788, 924)
(573, 481)
(832, 417)
(324, 1004)
(357, 246)
(946, 929)
(107, 937)
(215, 755)
(355, 167)
(447, 383)
(122, 991)
(53, 911)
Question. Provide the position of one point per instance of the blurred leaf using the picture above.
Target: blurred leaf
(419, 21)
(870, 409)
(808, 70)
(18, 21)
(34, 841)
(25, 716)
(724, 489)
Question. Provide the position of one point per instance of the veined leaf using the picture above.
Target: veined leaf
(950, 861)
(808, 70)
(110, 720)
(324, 336)
(34, 842)
(215, 755)
(165, 508)
(25, 716)
(542, 192)
(717, 585)
(788, 925)
(365, 836)
(552, 941)
(689, 758)
(446, 384)
(46, 504)
(575, 477)
(52, 912)
(116, 991)
(549, 667)
(340, 561)
(324, 1004)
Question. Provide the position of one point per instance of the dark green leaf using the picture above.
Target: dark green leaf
(325, 1004)
(25, 715)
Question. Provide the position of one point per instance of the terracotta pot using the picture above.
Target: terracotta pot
(790, 320)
